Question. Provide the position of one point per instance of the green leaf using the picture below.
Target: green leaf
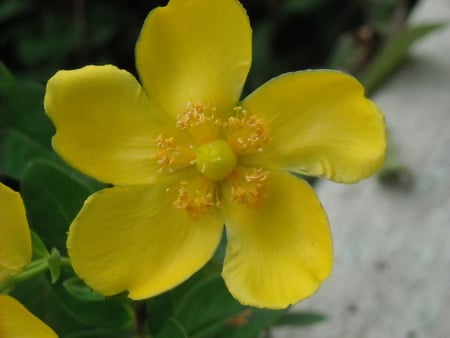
(69, 316)
(172, 329)
(300, 319)
(52, 198)
(17, 150)
(251, 324)
(45, 304)
(9, 97)
(22, 108)
(25, 130)
(393, 53)
(110, 313)
(39, 248)
(159, 308)
(76, 287)
(206, 307)
(208, 310)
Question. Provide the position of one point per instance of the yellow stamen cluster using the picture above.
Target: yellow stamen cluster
(171, 156)
(246, 133)
(248, 186)
(199, 121)
(195, 201)
(196, 114)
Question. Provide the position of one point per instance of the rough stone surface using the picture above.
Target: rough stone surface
(391, 275)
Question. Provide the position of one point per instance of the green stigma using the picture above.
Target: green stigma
(216, 160)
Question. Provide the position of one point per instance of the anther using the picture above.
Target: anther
(195, 199)
(248, 186)
(199, 121)
(170, 156)
(246, 134)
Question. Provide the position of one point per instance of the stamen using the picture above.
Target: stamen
(248, 186)
(172, 156)
(199, 120)
(196, 199)
(246, 133)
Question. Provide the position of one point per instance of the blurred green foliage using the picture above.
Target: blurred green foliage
(39, 37)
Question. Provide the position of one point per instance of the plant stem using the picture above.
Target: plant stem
(140, 312)
(34, 268)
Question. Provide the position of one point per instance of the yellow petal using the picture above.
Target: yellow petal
(321, 125)
(15, 240)
(105, 125)
(195, 51)
(17, 322)
(280, 253)
(133, 239)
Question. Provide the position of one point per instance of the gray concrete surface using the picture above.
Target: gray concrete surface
(391, 277)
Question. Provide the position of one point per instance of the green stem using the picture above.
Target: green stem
(34, 268)
(37, 267)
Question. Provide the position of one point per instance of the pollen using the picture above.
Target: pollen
(196, 199)
(246, 133)
(248, 186)
(199, 121)
(170, 156)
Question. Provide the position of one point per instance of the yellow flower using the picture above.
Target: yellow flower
(15, 253)
(184, 156)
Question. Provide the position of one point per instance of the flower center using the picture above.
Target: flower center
(216, 160)
(219, 148)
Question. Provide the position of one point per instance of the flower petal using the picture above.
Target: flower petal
(15, 240)
(195, 51)
(280, 253)
(16, 321)
(105, 125)
(321, 124)
(133, 238)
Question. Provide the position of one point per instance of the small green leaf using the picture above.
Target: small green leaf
(300, 319)
(76, 287)
(54, 264)
(39, 248)
(393, 54)
(172, 329)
